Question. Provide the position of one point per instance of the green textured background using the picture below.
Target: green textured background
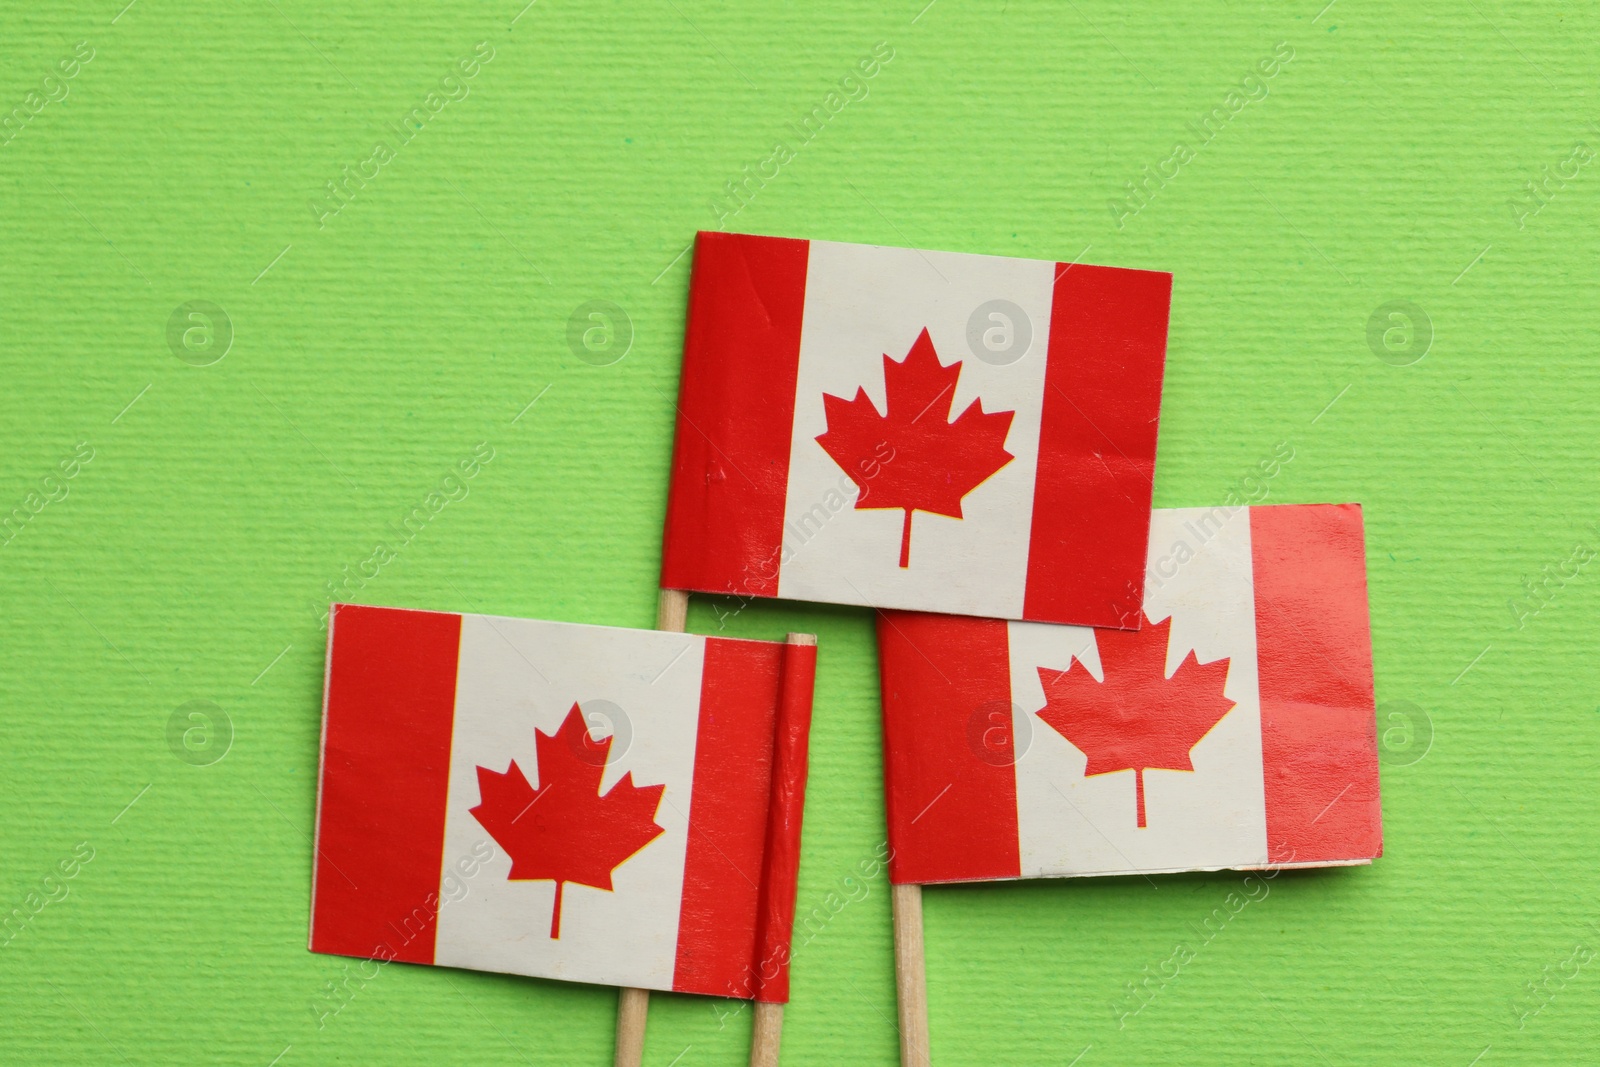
(189, 559)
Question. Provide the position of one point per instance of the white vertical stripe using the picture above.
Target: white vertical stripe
(863, 302)
(1213, 817)
(518, 675)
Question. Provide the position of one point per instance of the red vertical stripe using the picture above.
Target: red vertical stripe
(730, 462)
(388, 710)
(1097, 446)
(728, 818)
(949, 778)
(780, 870)
(1314, 650)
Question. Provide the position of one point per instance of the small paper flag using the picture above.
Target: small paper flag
(1236, 729)
(922, 430)
(576, 802)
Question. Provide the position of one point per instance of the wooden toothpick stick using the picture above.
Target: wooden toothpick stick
(910, 975)
(780, 870)
(633, 1005)
(672, 611)
(767, 1035)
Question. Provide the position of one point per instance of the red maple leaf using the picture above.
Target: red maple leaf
(1138, 717)
(934, 462)
(565, 830)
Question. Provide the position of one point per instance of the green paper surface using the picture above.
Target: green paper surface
(443, 302)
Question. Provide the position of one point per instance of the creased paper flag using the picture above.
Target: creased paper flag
(576, 802)
(1236, 729)
(923, 430)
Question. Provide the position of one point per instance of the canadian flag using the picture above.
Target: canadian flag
(922, 430)
(576, 802)
(1236, 729)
